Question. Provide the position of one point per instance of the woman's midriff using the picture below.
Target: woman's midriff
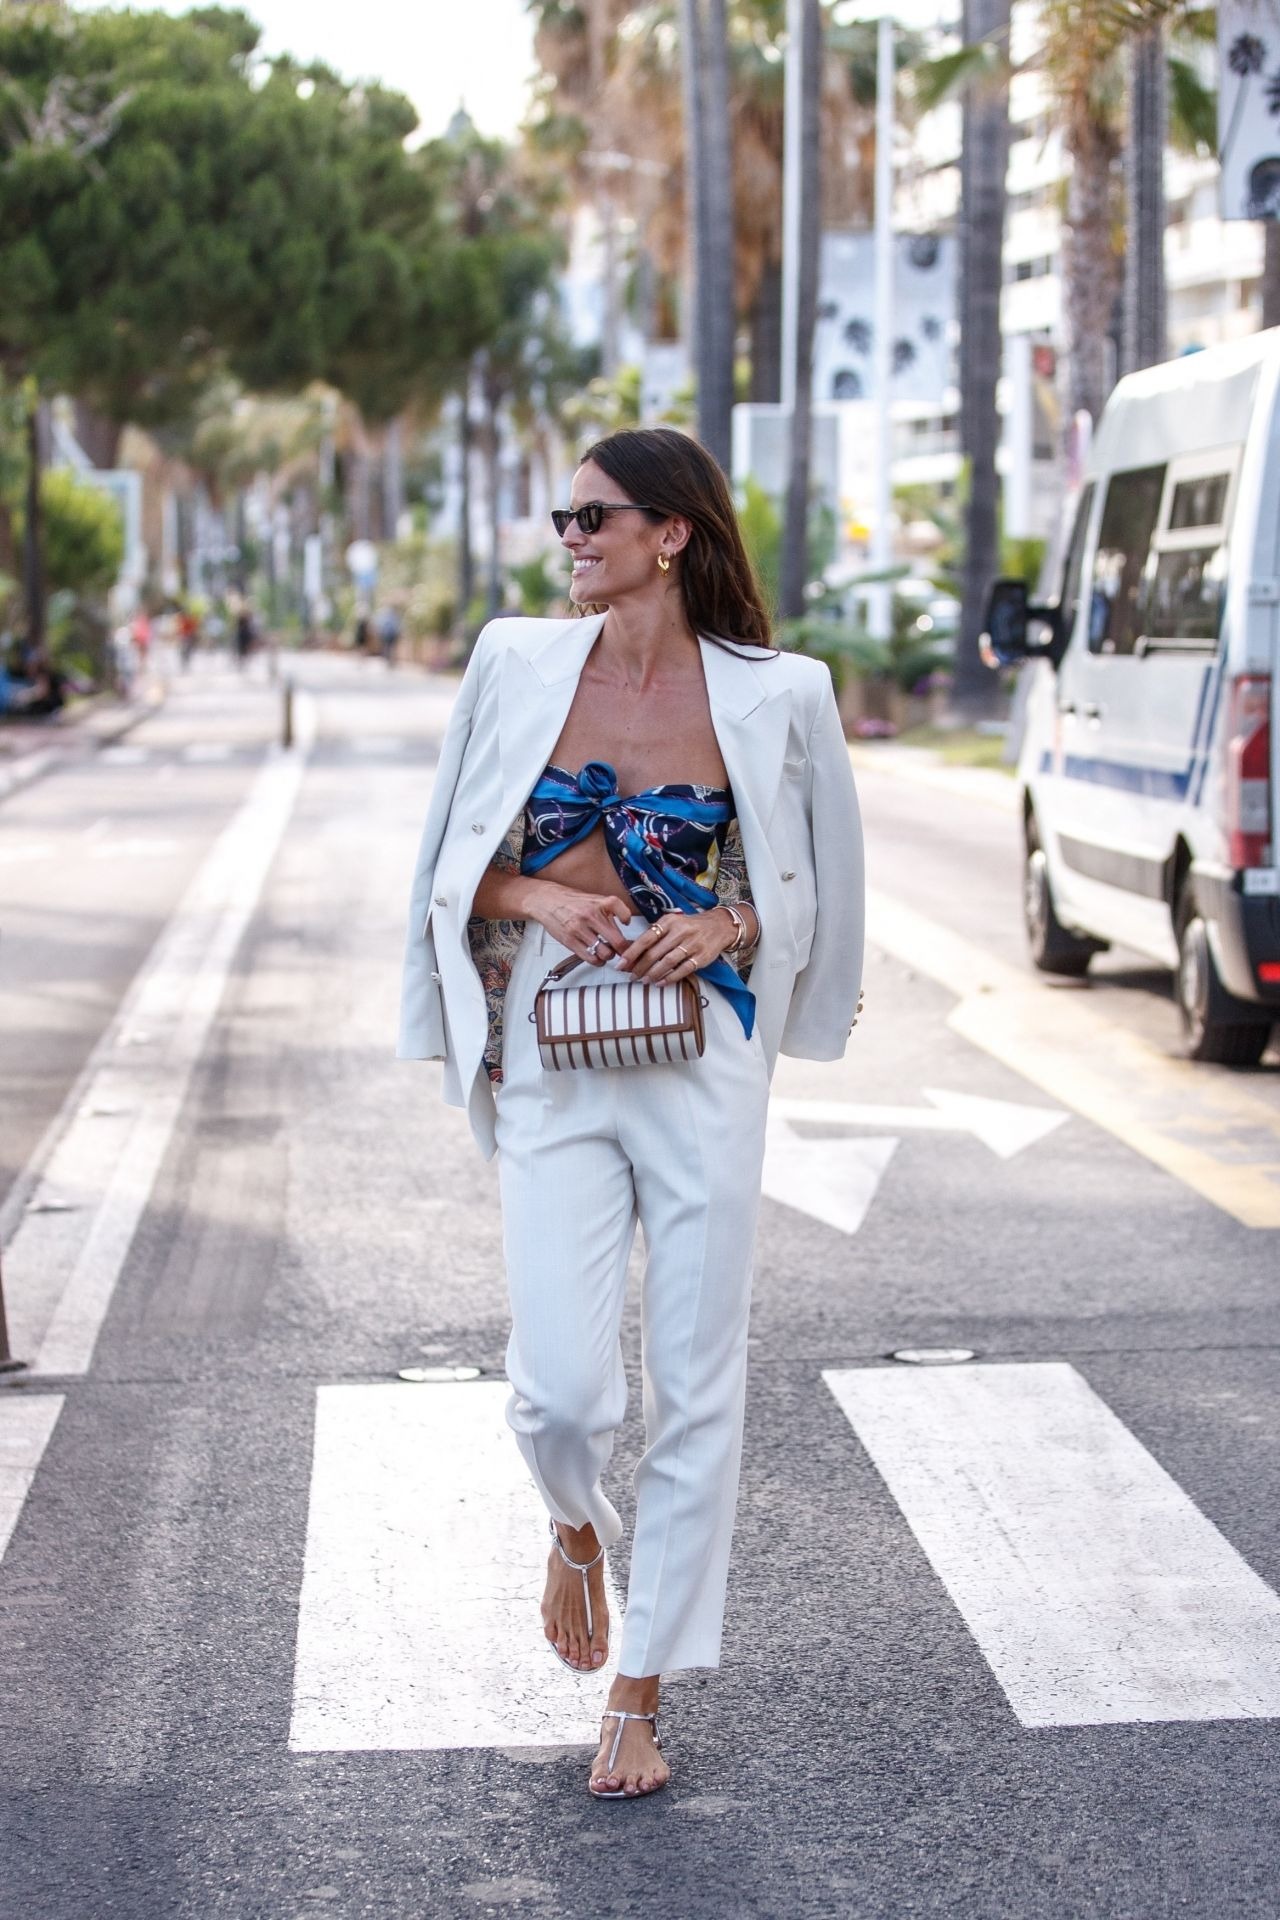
(588, 869)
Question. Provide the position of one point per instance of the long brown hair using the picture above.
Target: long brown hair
(672, 474)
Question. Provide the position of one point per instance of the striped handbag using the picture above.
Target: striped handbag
(616, 1022)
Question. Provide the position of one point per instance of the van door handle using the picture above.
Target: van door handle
(1092, 713)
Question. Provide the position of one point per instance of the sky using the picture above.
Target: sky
(439, 52)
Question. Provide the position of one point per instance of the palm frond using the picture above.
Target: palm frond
(1193, 109)
(951, 74)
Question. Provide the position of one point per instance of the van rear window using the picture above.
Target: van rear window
(1129, 516)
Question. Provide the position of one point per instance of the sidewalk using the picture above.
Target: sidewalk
(30, 748)
(928, 769)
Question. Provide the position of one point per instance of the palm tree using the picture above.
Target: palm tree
(630, 102)
(984, 161)
(1144, 282)
(709, 205)
(794, 568)
(1079, 54)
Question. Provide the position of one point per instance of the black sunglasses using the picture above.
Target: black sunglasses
(591, 517)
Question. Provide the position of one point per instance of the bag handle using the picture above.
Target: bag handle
(559, 972)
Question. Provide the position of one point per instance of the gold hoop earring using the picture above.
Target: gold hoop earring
(663, 563)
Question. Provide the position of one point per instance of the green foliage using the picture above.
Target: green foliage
(537, 587)
(760, 517)
(83, 534)
(165, 213)
(906, 658)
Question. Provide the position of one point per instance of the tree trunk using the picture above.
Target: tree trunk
(794, 568)
(359, 478)
(466, 559)
(766, 336)
(1145, 304)
(1090, 266)
(98, 436)
(493, 492)
(1271, 274)
(392, 478)
(984, 164)
(709, 198)
(33, 575)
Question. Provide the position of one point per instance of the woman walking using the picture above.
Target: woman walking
(649, 794)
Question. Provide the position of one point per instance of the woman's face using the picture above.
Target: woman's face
(621, 556)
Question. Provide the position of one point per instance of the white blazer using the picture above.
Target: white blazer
(783, 745)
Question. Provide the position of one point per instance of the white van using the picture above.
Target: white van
(1149, 760)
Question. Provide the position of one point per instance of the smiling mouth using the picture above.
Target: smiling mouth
(584, 566)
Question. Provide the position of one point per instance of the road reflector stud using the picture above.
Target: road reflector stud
(933, 1356)
(437, 1376)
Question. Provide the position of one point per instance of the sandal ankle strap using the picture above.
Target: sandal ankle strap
(579, 1566)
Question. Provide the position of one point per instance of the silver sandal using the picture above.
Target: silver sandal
(620, 1793)
(584, 1568)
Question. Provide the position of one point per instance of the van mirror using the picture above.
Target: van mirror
(1004, 641)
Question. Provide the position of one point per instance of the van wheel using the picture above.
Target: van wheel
(1053, 949)
(1212, 1026)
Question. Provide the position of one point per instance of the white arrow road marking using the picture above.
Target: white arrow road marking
(26, 1426)
(418, 1623)
(61, 1268)
(1000, 1124)
(834, 1181)
(1097, 1591)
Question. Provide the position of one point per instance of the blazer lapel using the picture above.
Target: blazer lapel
(751, 720)
(534, 696)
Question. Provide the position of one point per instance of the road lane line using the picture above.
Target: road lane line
(418, 1623)
(1096, 1589)
(1199, 1125)
(26, 1426)
(61, 1269)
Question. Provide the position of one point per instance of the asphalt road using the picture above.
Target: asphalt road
(265, 1215)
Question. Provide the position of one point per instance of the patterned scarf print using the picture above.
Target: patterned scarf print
(665, 843)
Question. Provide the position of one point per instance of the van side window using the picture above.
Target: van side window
(1072, 584)
(1184, 601)
(1129, 517)
(1186, 575)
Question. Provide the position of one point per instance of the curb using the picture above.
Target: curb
(32, 766)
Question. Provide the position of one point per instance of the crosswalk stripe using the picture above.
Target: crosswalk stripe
(1096, 1589)
(26, 1427)
(418, 1623)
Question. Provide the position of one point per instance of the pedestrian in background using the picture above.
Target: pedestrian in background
(389, 633)
(654, 793)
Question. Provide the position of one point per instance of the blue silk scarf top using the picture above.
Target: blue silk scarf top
(665, 843)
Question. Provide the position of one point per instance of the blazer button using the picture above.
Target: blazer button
(436, 978)
(477, 826)
(442, 900)
(788, 876)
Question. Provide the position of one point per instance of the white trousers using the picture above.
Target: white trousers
(583, 1155)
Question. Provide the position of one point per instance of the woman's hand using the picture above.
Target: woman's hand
(678, 945)
(586, 923)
